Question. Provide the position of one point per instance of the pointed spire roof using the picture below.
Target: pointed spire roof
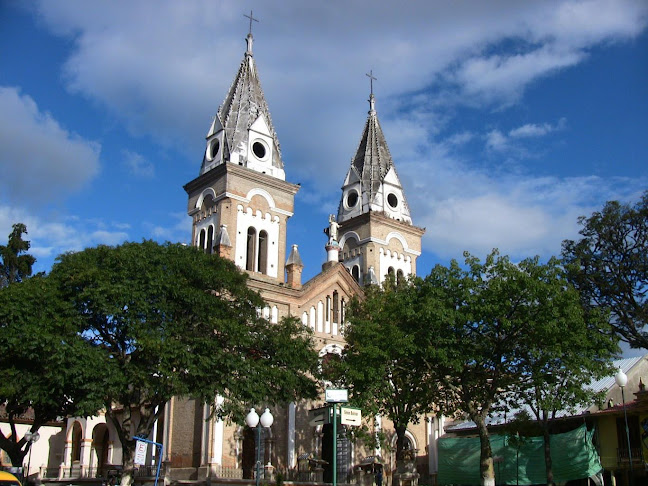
(244, 104)
(372, 176)
(372, 160)
(294, 258)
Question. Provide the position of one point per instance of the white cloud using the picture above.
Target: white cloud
(522, 215)
(536, 130)
(137, 164)
(178, 231)
(40, 160)
(163, 79)
(51, 237)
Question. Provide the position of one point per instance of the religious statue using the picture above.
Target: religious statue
(333, 228)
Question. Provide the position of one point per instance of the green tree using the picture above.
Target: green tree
(609, 266)
(15, 264)
(488, 322)
(381, 360)
(48, 370)
(566, 349)
(174, 321)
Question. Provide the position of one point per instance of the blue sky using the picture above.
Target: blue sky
(506, 120)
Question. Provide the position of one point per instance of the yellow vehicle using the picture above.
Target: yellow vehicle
(8, 479)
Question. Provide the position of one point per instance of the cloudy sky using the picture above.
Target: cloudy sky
(506, 119)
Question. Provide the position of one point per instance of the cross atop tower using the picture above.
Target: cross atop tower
(372, 78)
(251, 17)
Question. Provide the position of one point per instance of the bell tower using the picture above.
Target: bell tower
(377, 236)
(240, 202)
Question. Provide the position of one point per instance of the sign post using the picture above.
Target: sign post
(335, 396)
(143, 441)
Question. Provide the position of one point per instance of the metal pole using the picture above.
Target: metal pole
(625, 414)
(258, 464)
(28, 462)
(335, 444)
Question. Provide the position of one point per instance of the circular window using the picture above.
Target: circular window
(351, 199)
(259, 150)
(212, 151)
(392, 200)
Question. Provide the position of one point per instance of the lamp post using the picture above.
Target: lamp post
(31, 438)
(252, 420)
(622, 380)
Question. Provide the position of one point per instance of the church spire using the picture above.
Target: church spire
(372, 183)
(242, 131)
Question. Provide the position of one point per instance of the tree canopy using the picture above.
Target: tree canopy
(609, 266)
(381, 360)
(174, 321)
(471, 339)
(568, 348)
(15, 264)
(49, 371)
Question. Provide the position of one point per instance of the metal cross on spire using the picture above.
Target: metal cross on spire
(251, 17)
(372, 78)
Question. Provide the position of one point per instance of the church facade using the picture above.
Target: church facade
(240, 205)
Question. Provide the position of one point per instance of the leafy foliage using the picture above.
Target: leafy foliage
(173, 321)
(49, 371)
(498, 330)
(381, 362)
(609, 266)
(16, 264)
(567, 349)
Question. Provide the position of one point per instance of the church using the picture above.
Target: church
(240, 205)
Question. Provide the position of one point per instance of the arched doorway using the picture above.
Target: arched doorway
(100, 449)
(75, 456)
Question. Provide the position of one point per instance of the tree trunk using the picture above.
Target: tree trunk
(486, 469)
(547, 452)
(13, 446)
(128, 466)
(400, 441)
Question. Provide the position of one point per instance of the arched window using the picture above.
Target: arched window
(328, 308)
(251, 249)
(390, 271)
(201, 241)
(400, 278)
(355, 271)
(336, 306)
(263, 252)
(210, 240)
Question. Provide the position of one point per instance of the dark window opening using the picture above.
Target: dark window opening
(251, 249)
(201, 242)
(259, 150)
(335, 306)
(262, 263)
(210, 240)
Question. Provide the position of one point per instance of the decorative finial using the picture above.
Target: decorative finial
(371, 77)
(249, 36)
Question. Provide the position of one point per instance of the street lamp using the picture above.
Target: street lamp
(30, 438)
(622, 380)
(252, 421)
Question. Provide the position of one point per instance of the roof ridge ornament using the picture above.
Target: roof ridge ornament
(372, 99)
(249, 37)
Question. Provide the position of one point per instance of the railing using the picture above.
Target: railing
(623, 460)
(228, 472)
